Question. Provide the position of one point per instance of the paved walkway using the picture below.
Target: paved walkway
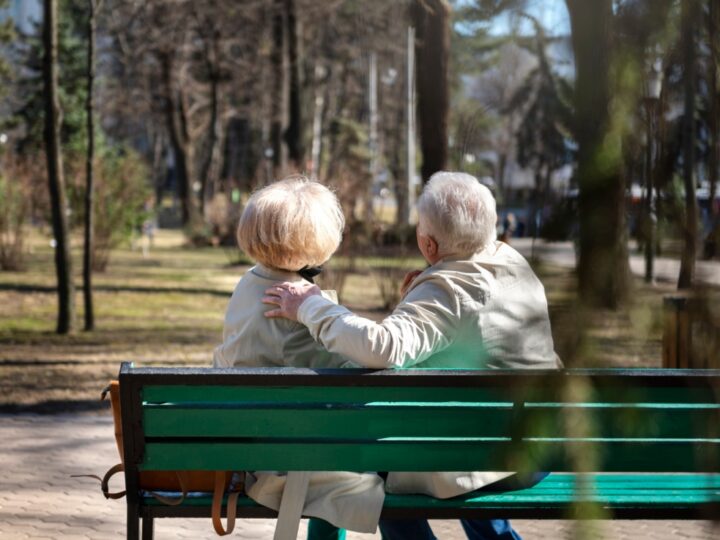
(39, 500)
(666, 269)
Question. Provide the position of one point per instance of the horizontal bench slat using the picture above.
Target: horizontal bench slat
(402, 420)
(652, 421)
(415, 455)
(331, 394)
(542, 391)
(343, 423)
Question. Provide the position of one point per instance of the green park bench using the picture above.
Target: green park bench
(620, 443)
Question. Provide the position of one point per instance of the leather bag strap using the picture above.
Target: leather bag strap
(105, 481)
(218, 493)
(112, 471)
(174, 501)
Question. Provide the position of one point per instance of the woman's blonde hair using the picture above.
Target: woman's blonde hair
(292, 223)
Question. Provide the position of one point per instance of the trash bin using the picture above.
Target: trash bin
(690, 334)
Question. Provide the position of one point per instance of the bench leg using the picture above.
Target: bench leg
(147, 527)
(133, 522)
(291, 505)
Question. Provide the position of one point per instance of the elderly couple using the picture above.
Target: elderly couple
(477, 305)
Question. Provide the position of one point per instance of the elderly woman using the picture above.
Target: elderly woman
(290, 228)
(478, 305)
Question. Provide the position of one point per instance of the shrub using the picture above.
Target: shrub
(15, 202)
(121, 196)
(122, 191)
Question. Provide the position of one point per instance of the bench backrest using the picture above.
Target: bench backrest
(421, 420)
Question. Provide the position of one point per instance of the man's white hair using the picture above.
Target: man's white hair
(458, 212)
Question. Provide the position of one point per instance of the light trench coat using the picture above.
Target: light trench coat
(488, 310)
(348, 500)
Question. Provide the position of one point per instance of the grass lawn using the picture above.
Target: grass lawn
(168, 308)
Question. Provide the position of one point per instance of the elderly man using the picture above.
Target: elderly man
(478, 305)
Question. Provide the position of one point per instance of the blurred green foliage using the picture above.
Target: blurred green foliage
(121, 193)
(29, 113)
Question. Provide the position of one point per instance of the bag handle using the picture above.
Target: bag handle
(105, 480)
(112, 471)
(232, 500)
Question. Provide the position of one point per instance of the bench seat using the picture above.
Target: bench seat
(628, 496)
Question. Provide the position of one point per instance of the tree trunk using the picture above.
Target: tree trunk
(293, 132)
(207, 170)
(432, 46)
(713, 126)
(500, 180)
(397, 166)
(649, 216)
(373, 145)
(336, 110)
(159, 168)
(277, 106)
(210, 166)
(177, 131)
(690, 227)
(603, 272)
(89, 171)
(318, 115)
(56, 182)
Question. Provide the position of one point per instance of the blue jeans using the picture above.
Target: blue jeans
(475, 529)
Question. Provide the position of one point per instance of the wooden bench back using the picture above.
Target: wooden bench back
(421, 420)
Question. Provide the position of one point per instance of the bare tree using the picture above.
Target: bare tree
(94, 6)
(197, 77)
(56, 182)
(181, 135)
(294, 131)
(713, 32)
(496, 86)
(690, 225)
(209, 27)
(279, 85)
(603, 271)
(432, 24)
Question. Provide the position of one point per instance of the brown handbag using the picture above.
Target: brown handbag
(216, 482)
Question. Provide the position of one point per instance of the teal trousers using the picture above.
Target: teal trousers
(322, 530)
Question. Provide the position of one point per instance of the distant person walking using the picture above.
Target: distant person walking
(509, 226)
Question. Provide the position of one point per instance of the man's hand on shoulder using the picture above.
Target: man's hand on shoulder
(409, 278)
(288, 298)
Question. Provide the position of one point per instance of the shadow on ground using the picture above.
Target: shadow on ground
(56, 407)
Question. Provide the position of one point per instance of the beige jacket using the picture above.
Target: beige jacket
(252, 340)
(348, 500)
(488, 311)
